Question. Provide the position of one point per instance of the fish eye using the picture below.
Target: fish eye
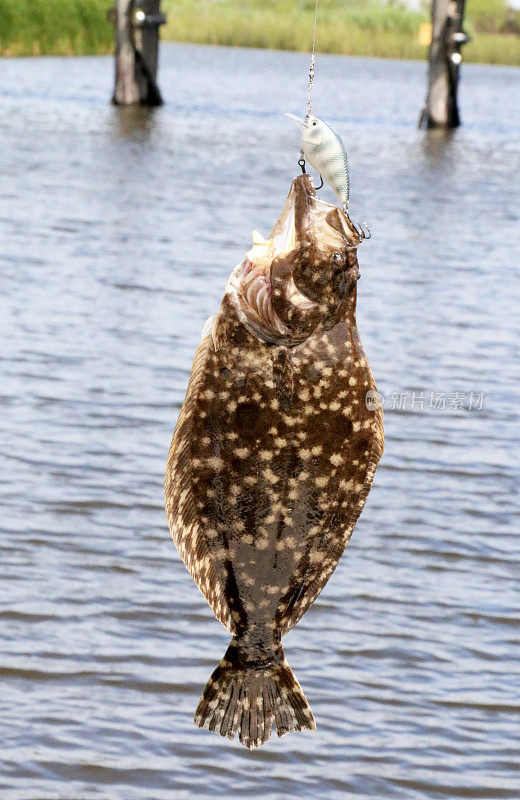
(337, 258)
(314, 123)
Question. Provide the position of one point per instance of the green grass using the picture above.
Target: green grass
(354, 27)
(55, 27)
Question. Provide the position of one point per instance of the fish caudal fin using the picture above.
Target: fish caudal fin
(245, 699)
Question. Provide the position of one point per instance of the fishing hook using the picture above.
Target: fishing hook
(361, 230)
(301, 163)
(321, 184)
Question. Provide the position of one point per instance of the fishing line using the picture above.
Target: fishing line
(301, 161)
(313, 62)
(321, 145)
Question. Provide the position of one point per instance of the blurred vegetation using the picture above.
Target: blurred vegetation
(355, 27)
(360, 28)
(55, 27)
(492, 16)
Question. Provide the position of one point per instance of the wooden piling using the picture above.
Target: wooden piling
(137, 47)
(441, 107)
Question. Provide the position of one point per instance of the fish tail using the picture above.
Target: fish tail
(245, 699)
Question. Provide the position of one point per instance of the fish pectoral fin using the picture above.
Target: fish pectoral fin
(207, 328)
(258, 238)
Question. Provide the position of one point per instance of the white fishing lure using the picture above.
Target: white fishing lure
(325, 151)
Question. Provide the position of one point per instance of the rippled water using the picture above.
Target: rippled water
(118, 230)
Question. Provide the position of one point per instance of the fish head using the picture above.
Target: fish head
(325, 268)
(303, 276)
(314, 129)
(314, 132)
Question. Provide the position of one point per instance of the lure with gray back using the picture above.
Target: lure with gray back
(324, 150)
(273, 456)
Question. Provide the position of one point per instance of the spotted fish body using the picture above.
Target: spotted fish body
(273, 457)
(323, 148)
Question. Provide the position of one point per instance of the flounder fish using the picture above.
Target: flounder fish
(273, 456)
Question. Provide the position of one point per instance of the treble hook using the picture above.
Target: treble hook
(361, 231)
(321, 184)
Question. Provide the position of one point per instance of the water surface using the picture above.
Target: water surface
(118, 229)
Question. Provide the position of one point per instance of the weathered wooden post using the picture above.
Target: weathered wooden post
(137, 25)
(441, 109)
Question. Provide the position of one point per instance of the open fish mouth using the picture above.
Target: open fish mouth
(251, 290)
(305, 218)
(250, 284)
